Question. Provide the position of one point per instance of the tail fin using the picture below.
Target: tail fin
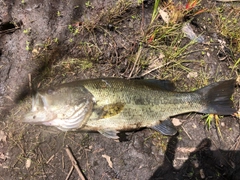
(217, 97)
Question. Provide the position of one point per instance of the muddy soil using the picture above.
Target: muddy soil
(46, 43)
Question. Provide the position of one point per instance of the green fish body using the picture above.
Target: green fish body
(110, 105)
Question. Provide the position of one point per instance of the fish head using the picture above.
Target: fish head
(65, 107)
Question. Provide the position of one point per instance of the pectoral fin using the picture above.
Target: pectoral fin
(112, 134)
(166, 128)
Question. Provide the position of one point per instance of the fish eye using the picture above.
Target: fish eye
(34, 117)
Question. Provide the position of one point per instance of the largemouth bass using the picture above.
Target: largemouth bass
(110, 105)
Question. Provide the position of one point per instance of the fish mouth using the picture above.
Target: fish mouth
(39, 112)
(39, 117)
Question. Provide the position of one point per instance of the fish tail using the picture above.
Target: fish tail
(217, 98)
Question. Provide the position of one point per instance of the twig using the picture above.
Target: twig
(50, 159)
(136, 61)
(70, 172)
(186, 133)
(3, 2)
(151, 70)
(30, 83)
(74, 163)
(63, 163)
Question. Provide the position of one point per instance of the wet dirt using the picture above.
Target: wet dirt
(51, 42)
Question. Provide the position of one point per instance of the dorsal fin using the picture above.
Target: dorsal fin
(162, 84)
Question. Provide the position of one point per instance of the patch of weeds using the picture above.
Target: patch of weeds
(118, 10)
(88, 4)
(40, 49)
(27, 31)
(160, 34)
(174, 64)
(236, 66)
(55, 40)
(59, 14)
(108, 16)
(159, 140)
(173, 13)
(73, 64)
(73, 29)
(165, 37)
(210, 118)
(90, 50)
(180, 138)
(228, 24)
(28, 48)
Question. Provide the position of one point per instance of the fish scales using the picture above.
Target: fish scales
(112, 104)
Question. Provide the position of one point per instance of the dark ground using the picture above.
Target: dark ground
(61, 41)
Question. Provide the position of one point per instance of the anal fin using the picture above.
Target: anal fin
(166, 128)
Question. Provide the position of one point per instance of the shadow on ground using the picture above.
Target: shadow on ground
(203, 163)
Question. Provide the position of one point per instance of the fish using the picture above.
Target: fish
(113, 105)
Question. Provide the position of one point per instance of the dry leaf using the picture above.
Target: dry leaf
(192, 75)
(108, 160)
(164, 16)
(161, 55)
(176, 122)
(238, 80)
(188, 31)
(3, 137)
(28, 163)
(35, 51)
(194, 126)
(3, 156)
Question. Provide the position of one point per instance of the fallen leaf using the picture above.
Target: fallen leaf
(176, 122)
(164, 16)
(192, 75)
(108, 160)
(28, 163)
(188, 31)
(238, 78)
(35, 51)
(3, 156)
(194, 126)
(3, 137)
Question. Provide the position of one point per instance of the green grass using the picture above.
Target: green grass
(228, 24)
(155, 10)
(72, 64)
